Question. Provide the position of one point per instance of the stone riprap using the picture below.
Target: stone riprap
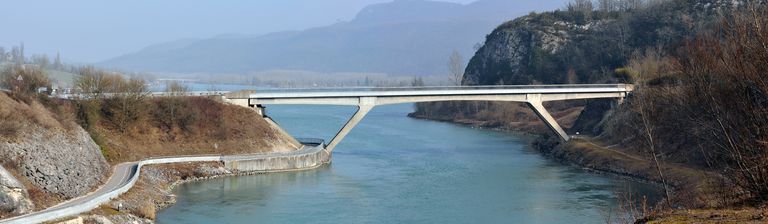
(67, 163)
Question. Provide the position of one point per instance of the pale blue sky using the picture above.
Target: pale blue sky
(94, 30)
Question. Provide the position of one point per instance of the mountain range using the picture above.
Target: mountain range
(403, 37)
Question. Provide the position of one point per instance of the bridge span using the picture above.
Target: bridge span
(365, 99)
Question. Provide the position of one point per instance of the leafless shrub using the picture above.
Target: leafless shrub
(24, 79)
(727, 91)
(147, 210)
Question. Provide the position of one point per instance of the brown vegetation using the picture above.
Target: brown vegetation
(128, 125)
(176, 126)
(706, 106)
(727, 98)
(24, 79)
(704, 216)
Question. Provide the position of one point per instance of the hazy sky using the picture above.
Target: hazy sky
(95, 30)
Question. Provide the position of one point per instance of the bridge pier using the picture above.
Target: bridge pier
(535, 103)
(365, 106)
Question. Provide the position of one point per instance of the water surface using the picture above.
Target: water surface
(394, 169)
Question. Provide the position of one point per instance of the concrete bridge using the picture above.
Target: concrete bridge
(366, 99)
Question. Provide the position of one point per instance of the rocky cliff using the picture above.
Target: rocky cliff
(53, 158)
(583, 46)
(511, 51)
(67, 164)
(14, 198)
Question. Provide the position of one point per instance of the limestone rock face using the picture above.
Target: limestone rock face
(14, 198)
(67, 163)
(509, 50)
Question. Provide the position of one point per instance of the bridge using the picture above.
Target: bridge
(365, 99)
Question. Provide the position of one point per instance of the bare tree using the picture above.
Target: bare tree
(727, 88)
(584, 6)
(456, 67)
(3, 55)
(93, 82)
(645, 108)
(128, 101)
(24, 79)
(176, 88)
(57, 62)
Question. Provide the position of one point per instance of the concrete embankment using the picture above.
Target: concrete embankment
(126, 175)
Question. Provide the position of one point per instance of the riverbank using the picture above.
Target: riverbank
(688, 186)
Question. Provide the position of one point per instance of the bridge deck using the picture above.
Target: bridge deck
(436, 91)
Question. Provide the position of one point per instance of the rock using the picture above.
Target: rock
(508, 51)
(78, 220)
(97, 219)
(14, 198)
(213, 171)
(130, 219)
(67, 163)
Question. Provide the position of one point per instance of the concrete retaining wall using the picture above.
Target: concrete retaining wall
(307, 158)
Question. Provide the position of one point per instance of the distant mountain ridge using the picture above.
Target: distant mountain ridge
(404, 37)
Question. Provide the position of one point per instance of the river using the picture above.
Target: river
(394, 169)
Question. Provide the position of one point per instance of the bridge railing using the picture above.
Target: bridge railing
(620, 87)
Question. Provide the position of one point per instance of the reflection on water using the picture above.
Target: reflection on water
(392, 169)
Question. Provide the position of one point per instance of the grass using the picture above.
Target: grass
(707, 216)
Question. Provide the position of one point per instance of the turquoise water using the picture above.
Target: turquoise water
(394, 169)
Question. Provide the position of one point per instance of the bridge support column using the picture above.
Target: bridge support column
(534, 101)
(365, 106)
